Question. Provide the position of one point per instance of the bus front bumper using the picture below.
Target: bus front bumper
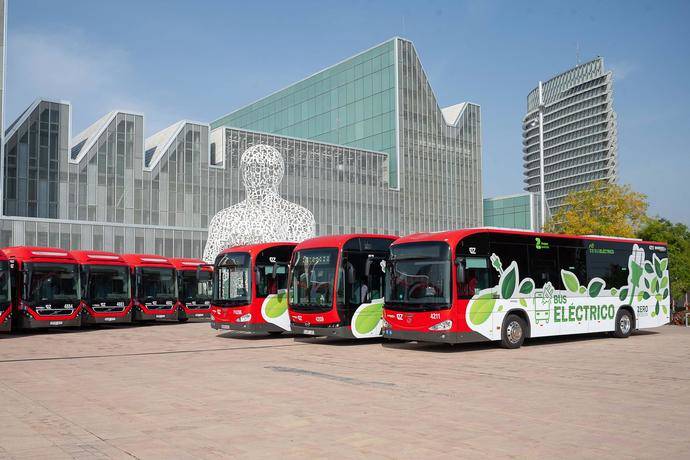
(342, 332)
(438, 337)
(104, 318)
(140, 315)
(26, 321)
(246, 327)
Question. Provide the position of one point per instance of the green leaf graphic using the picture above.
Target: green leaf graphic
(595, 287)
(500, 308)
(582, 290)
(623, 294)
(276, 306)
(509, 281)
(523, 302)
(639, 296)
(526, 286)
(482, 308)
(665, 310)
(614, 291)
(665, 293)
(655, 285)
(368, 318)
(645, 295)
(656, 308)
(664, 264)
(646, 283)
(648, 267)
(657, 266)
(664, 282)
(570, 281)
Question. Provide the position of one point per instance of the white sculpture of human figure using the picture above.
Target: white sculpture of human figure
(263, 216)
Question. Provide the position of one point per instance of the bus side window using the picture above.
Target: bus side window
(476, 271)
(543, 267)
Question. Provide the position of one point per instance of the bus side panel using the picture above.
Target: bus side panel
(572, 305)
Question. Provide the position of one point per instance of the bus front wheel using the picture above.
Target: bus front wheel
(513, 333)
(624, 324)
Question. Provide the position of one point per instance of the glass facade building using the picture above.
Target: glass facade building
(519, 211)
(381, 100)
(366, 148)
(579, 132)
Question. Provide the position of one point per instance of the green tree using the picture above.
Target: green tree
(677, 236)
(600, 209)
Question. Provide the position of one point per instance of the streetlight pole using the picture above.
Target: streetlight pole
(541, 156)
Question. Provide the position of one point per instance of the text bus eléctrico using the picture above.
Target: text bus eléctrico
(45, 287)
(105, 287)
(250, 288)
(489, 284)
(5, 294)
(154, 287)
(336, 285)
(194, 288)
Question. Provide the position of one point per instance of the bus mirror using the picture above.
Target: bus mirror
(460, 267)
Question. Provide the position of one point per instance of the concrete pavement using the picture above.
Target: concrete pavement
(186, 391)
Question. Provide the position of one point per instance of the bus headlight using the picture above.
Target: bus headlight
(244, 318)
(442, 326)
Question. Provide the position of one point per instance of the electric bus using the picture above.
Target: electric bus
(194, 288)
(105, 287)
(250, 288)
(45, 287)
(5, 294)
(154, 287)
(486, 284)
(336, 285)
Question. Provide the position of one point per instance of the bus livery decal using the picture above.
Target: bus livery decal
(583, 306)
(274, 310)
(366, 320)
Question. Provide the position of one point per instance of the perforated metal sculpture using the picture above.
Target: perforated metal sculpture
(263, 216)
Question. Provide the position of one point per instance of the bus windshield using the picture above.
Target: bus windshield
(233, 286)
(4, 282)
(156, 283)
(311, 279)
(107, 283)
(196, 288)
(418, 276)
(49, 282)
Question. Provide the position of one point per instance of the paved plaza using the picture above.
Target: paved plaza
(186, 391)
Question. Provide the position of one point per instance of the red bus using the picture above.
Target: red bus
(154, 287)
(194, 288)
(105, 287)
(5, 294)
(250, 288)
(336, 285)
(486, 284)
(45, 287)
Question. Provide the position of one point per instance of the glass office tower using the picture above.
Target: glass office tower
(521, 211)
(579, 132)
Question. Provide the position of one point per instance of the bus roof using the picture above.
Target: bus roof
(147, 260)
(338, 241)
(254, 249)
(452, 237)
(38, 254)
(98, 258)
(187, 263)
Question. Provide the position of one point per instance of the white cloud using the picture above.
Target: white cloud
(95, 78)
(621, 70)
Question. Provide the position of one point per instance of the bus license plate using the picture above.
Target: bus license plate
(56, 323)
(309, 332)
(199, 315)
(160, 316)
(109, 319)
(225, 326)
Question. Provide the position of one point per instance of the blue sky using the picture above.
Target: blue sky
(201, 59)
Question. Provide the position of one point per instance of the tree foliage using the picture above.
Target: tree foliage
(600, 209)
(678, 238)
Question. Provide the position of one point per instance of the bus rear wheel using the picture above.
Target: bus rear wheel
(624, 324)
(513, 333)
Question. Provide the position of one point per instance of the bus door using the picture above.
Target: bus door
(473, 273)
